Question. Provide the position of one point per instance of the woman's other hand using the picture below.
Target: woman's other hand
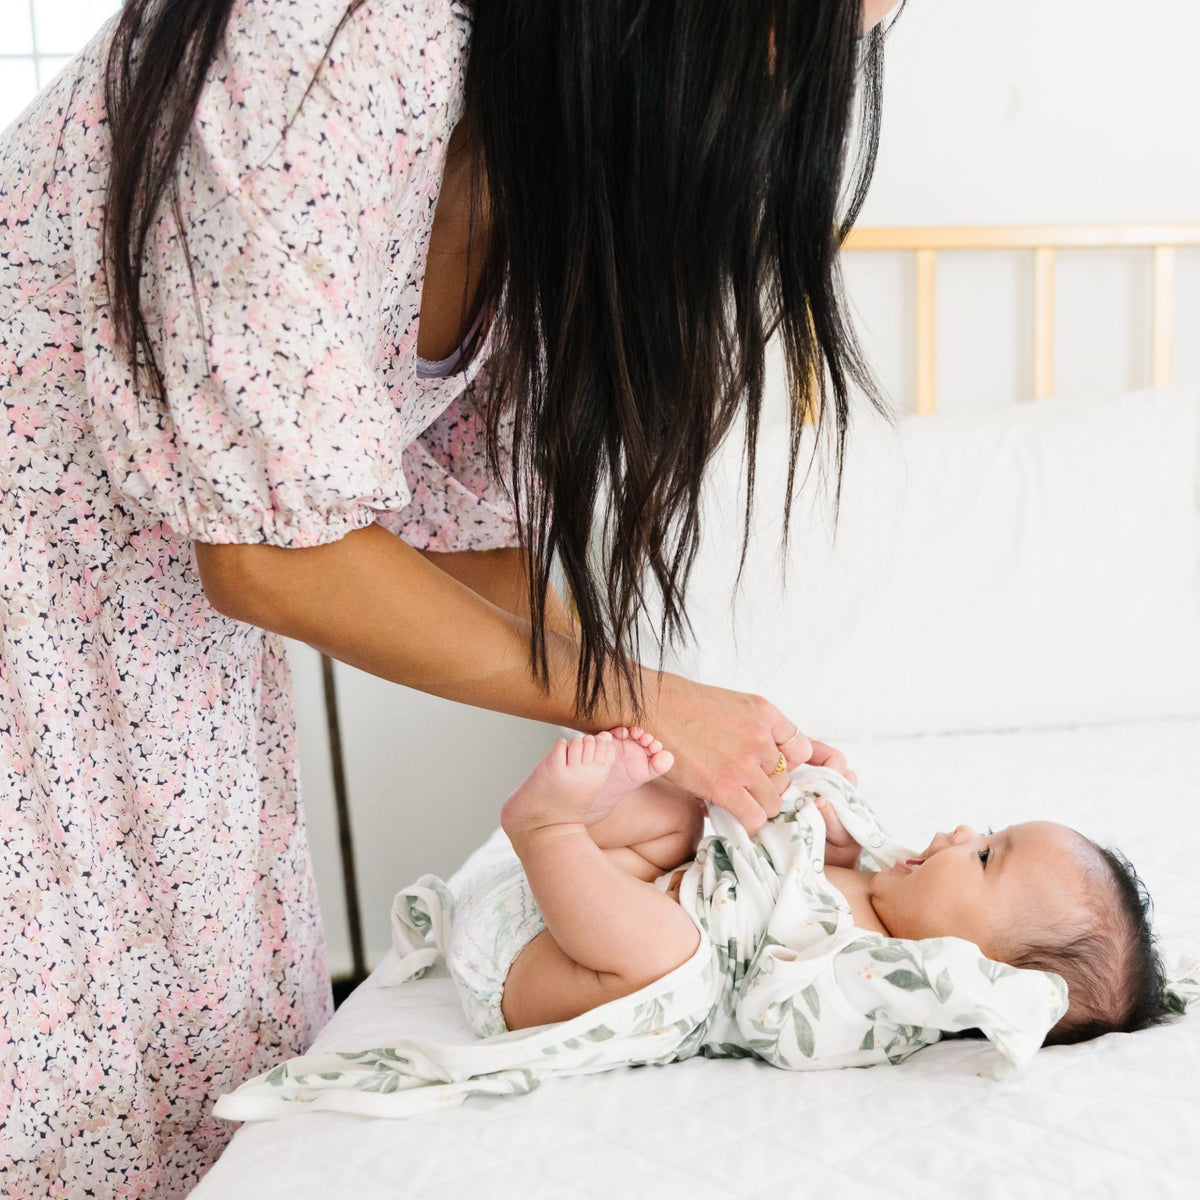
(733, 749)
(826, 756)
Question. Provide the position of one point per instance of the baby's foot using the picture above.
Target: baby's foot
(640, 758)
(580, 780)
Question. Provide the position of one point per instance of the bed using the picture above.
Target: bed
(1055, 674)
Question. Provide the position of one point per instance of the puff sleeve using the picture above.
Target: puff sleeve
(456, 505)
(275, 308)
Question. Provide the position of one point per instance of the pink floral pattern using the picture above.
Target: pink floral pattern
(161, 935)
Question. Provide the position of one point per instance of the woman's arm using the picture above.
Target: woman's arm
(372, 601)
(499, 576)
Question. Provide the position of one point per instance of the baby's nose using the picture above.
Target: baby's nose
(964, 833)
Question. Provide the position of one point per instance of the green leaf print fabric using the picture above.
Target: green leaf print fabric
(781, 973)
(814, 991)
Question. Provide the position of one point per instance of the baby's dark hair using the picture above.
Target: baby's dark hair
(1109, 960)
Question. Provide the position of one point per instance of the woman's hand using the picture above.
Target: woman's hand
(727, 747)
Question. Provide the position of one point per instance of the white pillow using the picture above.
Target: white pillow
(1027, 566)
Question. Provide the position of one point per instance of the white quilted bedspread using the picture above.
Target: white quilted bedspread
(1115, 1118)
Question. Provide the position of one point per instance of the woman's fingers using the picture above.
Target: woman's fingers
(742, 806)
(826, 756)
(792, 743)
(750, 795)
(782, 782)
(732, 749)
(765, 794)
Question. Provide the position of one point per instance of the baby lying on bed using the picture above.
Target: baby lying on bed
(621, 936)
(613, 857)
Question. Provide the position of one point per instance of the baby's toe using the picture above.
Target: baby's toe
(661, 762)
(589, 749)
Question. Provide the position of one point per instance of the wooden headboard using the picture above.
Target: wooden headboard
(1044, 241)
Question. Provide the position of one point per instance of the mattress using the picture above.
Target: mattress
(1116, 1117)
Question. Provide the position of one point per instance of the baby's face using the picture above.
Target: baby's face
(987, 888)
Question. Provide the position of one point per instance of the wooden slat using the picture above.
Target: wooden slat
(1162, 335)
(1044, 241)
(1043, 322)
(1022, 237)
(812, 405)
(926, 332)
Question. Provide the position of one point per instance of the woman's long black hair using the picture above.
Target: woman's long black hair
(666, 184)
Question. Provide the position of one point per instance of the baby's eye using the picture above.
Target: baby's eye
(984, 855)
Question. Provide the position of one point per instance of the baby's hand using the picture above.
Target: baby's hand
(841, 850)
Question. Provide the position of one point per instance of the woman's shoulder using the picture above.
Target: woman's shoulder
(403, 55)
(311, 21)
(414, 38)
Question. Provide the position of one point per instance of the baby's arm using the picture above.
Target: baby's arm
(841, 850)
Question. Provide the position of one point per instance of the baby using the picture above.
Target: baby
(605, 843)
(621, 936)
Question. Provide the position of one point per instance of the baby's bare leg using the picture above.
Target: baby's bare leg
(608, 932)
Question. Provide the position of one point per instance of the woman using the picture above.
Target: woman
(293, 299)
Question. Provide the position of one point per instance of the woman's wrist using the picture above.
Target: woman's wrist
(656, 700)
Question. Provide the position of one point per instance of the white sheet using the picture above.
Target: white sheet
(1117, 1117)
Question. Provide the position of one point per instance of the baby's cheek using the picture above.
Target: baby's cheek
(926, 907)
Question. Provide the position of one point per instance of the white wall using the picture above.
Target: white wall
(1024, 112)
(1040, 110)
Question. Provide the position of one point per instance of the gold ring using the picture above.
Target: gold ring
(780, 766)
(795, 735)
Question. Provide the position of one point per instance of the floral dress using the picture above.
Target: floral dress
(160, 930)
